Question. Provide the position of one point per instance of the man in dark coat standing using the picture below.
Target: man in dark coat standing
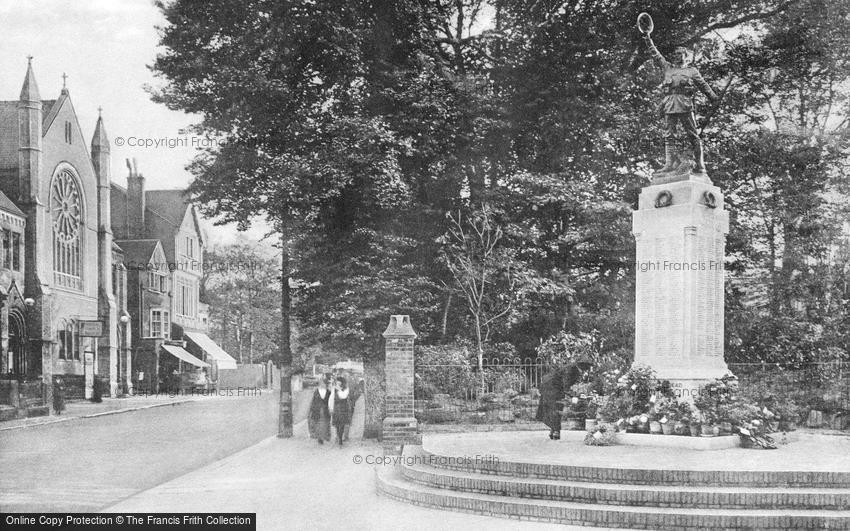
(553, 390)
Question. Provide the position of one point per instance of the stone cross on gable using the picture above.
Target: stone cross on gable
(64, 79)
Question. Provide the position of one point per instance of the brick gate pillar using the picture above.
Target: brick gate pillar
(399, 426)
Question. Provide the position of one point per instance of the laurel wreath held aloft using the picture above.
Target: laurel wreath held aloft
(644, 23)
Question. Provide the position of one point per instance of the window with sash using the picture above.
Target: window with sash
(160, 324)
(157, 281)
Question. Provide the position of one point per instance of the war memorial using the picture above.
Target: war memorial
(636, 480)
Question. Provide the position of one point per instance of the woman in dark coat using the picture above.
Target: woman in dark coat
(341, 409)
(58, 396)
(553, 390)
(319, 421)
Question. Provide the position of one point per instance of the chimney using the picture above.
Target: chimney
(135, 201)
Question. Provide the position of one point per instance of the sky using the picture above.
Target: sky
(104, 47)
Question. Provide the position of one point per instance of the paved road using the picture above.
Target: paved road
(89, 464)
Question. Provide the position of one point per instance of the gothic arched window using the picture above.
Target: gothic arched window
(66, 211)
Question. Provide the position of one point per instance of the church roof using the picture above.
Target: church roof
(7, 205)
(138, 251)
(51, 114)
(46, 107)
(9, 134)
(11, 107)
(169, 205)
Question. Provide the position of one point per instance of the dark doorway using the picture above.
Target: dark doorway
(20, 365)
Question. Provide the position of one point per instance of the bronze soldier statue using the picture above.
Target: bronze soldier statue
(681, 80)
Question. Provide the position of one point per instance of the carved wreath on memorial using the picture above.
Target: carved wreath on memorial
(709, 200)
(664, 199)
(65, 207)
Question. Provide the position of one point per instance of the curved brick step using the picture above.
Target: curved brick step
(635, 495)
(640, 476)
(392, 483)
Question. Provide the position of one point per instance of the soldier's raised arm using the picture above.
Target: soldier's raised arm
(704, 86)
(653, 51)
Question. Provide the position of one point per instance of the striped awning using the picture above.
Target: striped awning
(181, 354)
(222, 359)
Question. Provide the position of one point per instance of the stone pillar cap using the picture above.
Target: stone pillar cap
(399, 327)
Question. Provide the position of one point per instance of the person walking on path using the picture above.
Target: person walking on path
(340, 409)
(319, 419)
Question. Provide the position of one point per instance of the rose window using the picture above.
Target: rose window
(66, 211)
(65, 208)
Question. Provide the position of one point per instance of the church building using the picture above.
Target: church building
(63, 312)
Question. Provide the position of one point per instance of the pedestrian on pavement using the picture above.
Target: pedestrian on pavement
(58, 396)
(340, 408)
(319, 421)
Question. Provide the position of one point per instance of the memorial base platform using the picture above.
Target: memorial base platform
(525, 475)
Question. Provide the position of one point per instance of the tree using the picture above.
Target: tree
(355, 127)
(782, 155)
(242, 287)
(482, 271)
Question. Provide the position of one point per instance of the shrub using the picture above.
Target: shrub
(444, 369)
(687, 413)
(615, 407)
(592, 409)
(438, 416)
(582, 389)
(565, 348)
(665, 407)
(422, 389)
(715, 397)
(640, 383)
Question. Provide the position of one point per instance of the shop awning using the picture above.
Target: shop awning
(181, 354)
(222, 358)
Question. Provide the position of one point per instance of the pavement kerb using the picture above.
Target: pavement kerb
(92, 415)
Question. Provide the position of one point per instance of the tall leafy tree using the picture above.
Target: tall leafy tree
(242, 287)
(354, 127)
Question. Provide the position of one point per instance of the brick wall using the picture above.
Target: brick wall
(399, 374)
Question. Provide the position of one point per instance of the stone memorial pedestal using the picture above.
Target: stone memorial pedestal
(680, 230)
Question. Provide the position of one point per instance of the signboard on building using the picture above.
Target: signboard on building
(91, 328)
